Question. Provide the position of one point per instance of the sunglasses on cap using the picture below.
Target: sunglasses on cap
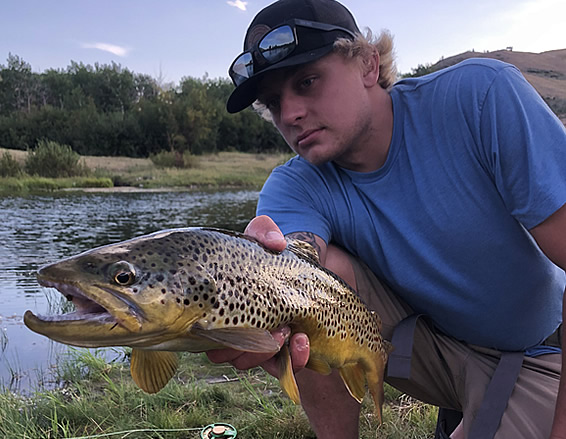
(278, 44)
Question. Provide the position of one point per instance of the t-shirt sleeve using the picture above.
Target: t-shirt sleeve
(525, 148)
(291, 197)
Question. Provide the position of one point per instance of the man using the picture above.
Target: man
(451, 188)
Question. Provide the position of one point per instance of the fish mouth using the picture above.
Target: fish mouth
(98, 312)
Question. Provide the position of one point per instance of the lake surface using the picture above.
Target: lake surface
(36, 230)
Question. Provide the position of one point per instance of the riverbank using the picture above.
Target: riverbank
(225, 169)
(100, 399)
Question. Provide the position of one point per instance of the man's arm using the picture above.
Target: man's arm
(551, 237)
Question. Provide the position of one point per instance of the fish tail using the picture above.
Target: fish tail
(374, 375)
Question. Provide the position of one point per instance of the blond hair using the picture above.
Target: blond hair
(362, 47)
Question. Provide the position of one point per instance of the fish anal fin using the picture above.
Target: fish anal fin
(319, 365)
(286, 376)
(152, 370)
(241, 339)
(353, 376)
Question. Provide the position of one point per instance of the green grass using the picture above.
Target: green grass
(98, 398)
(226, 169)
(28, 184)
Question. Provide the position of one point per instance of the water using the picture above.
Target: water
(37, 230)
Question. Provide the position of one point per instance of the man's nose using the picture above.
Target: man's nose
(292, 108)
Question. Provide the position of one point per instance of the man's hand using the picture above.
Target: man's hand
(266, 231)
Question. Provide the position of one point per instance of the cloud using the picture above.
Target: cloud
(112, 48)
(238, 4)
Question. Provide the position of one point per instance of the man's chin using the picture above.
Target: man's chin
(314, 157)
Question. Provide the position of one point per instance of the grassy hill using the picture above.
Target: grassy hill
(545, 71)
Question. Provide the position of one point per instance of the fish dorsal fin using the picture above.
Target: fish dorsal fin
(303, 249)
(241, 339)
(354, 377)
(286, 376)
(152, 370)
(319, 364)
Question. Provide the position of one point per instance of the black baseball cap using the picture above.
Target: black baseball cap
(312, 44)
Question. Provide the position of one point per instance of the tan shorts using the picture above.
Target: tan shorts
(452, 374)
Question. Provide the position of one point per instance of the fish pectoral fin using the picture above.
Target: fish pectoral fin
(241, 339)
(152, 370)
(354, 377)
(286, 375)
(319, 365)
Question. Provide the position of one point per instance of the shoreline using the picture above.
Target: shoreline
(224, 170)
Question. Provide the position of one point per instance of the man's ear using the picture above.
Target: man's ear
(370, 69)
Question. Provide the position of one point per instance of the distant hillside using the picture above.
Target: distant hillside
(546, 72)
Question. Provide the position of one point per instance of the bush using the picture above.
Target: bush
(53, 160)
(9, 167)
(173, 159)
(99, 182)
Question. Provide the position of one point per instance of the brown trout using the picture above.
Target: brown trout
(197, 289)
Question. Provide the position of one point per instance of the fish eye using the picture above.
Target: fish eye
(123, 273)
(124, 278)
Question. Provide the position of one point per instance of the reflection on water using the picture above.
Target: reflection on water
(40, 229)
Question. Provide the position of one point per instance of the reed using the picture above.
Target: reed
(99, 399)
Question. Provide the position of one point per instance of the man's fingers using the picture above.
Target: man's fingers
(300, 349)
(266, 231)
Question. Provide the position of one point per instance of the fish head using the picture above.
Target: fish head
(137, 293)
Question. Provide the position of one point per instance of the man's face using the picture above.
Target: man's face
(322, 108)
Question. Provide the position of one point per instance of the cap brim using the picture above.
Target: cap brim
(246, 93)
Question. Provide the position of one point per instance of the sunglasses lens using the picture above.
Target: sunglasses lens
(277, 44)
(242, 68)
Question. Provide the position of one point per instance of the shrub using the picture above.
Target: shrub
(53, 160)
(9, 167)
(99, 182)
(173, 159)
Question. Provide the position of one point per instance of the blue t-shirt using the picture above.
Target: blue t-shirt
(476, 159)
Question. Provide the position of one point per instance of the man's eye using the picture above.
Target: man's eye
(307, 82)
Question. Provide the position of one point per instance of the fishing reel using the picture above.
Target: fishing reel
(218, 431)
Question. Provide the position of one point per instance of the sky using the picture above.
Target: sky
(172, 39)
